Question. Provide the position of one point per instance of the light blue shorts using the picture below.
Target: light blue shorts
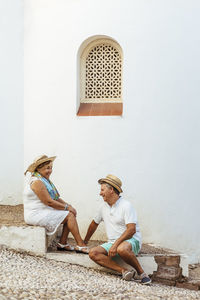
(134, 243)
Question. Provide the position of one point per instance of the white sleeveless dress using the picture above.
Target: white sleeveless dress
(39, 214)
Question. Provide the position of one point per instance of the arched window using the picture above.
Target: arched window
(101, 78)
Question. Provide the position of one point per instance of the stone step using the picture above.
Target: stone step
(33, 239)
(146, 260)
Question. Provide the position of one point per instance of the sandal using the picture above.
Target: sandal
(61, 247)
(80, 249)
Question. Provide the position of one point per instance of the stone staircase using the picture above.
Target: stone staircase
(164, 265)
(33, 240)
(17, 235)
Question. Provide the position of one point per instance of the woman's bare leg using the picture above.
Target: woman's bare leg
(64, 235)
(70, 225)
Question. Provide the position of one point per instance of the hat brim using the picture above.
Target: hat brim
(33, 166)
(111, 182)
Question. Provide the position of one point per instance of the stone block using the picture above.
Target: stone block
(168, 272)
(188, 285)
(160, 259)
(31, 239)
(163, 281)
(173, 261)
(168, 260)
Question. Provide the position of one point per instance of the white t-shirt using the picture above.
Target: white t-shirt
(116, 217)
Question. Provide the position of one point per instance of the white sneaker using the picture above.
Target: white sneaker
(128, 275)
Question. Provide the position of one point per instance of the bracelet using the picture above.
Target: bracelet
(66, 206)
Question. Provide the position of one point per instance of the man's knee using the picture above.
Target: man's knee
(123, 249)
(93, 253)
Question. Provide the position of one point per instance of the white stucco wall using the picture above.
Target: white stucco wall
(154, 147)
(11, 101)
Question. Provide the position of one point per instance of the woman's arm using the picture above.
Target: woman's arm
(62, 201)
(40, 190)
(69, 206)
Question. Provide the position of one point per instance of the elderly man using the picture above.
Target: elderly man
(124, 238)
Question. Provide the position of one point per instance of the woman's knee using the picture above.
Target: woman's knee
(69, 217)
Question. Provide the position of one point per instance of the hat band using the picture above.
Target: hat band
(114, 182)
(111, 182)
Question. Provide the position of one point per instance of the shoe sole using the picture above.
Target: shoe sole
(130, 275)
(146, 283)
(63, 249)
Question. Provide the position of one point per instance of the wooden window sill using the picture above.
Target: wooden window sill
(100, 109)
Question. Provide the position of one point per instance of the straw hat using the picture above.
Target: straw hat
(112, 180)
(38, 161)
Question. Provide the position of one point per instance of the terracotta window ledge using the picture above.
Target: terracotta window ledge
(100, 109)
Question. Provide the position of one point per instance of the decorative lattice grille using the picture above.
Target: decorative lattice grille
(103, 71)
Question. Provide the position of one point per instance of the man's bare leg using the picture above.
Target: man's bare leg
(100, 256)
(126, 253)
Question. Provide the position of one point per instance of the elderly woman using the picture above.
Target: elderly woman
(44, 207)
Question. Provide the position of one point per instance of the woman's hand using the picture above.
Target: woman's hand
(72, 210)
(69, 207)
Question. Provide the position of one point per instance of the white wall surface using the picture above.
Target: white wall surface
(11, 101)
(154, 147)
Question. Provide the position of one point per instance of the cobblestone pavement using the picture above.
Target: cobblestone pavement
(28, 277)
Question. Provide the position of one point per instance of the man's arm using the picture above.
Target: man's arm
(91, 229)
(127, 234)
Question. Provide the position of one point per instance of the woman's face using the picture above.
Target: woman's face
(46, 170)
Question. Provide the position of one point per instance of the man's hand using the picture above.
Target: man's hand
(72, 210)
(113, 251)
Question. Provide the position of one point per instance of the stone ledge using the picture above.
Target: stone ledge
(33, 240)
(147, 261)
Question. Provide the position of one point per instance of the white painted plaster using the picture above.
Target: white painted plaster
(11, 101)
(154, 147)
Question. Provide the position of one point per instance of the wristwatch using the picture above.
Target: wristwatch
(66, 206)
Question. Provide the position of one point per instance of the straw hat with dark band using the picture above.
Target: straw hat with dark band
(112, 180)
(38, 161)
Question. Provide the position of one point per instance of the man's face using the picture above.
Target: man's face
(105, 192)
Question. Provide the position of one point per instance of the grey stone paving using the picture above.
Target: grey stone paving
(27, 277)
